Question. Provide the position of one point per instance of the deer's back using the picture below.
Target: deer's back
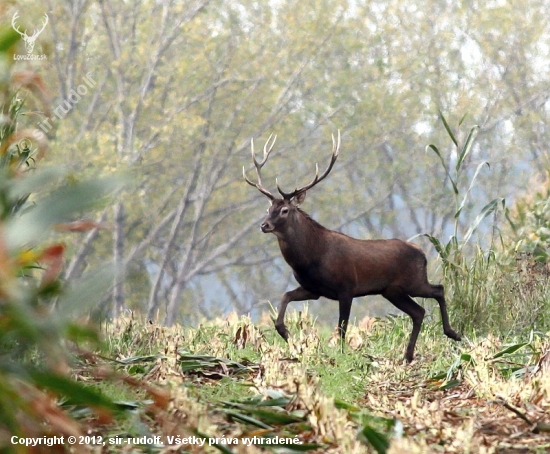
(361, 267)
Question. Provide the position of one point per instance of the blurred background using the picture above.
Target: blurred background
(171, 92)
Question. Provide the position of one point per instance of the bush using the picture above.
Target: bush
(33, 337)
(529, 220)
(491, 289)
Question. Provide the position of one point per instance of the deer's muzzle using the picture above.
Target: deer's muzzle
(266, 227)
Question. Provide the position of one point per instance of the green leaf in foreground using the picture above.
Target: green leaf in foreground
(74, 392)
(509, 350)
(247, 419)
(447, 127)
(450, 384)
(376, 439)
(266, 415)
(485, 211)
(59, 206)
(467, 146)
(341, 405)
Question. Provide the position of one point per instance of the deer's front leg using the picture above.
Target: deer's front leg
(298, 294)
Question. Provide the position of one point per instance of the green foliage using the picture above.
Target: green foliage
(490, 287)
(452, 250)
(515, 361)
(474, 277)
(529, 220)
(237, 379)
(33, 336)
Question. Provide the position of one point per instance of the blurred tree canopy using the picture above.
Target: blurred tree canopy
(175, 91)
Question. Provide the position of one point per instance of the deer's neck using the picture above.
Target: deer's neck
(302, 241)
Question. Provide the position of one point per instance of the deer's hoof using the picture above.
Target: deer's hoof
(453, 335)
(281, 329)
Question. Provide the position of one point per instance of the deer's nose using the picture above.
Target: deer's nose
(266, 227)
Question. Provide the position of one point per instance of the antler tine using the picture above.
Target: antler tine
(317, 179)
(14, 26)
(259, 166)
(266, 150)
(44, 23)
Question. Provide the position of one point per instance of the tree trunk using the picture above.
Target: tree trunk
(118, 254)
(172, 308)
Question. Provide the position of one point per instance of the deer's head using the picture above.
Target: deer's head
(284, 210)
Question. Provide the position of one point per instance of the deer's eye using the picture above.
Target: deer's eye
(284, 210)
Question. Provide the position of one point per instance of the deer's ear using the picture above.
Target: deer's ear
(298, 199)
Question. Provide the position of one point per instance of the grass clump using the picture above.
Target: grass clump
(491, 288)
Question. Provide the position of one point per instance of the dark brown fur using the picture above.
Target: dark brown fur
(336, 266)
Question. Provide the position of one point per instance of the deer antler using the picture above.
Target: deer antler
(29, 40)
(259, 166)
(45, 22)
(15, 27)
(317, 179)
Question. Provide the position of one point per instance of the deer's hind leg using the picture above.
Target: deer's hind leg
(437, 292)
(404, 302)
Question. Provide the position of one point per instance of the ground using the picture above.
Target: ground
(238, 385)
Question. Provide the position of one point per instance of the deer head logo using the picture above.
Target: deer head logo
(29, 40)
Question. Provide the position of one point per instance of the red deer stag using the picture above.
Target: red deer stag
(331, 264)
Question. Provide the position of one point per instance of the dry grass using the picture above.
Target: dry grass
(230, 379)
